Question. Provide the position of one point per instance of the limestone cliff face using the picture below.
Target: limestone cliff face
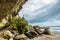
(9, 9)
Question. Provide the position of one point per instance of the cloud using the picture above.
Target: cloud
(41, 11)
(53, 22)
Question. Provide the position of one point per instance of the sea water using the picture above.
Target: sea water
(55, 28)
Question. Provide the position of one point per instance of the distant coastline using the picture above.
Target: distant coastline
(50, 26)
(53, 28)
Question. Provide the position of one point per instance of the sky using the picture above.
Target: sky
(42, 12)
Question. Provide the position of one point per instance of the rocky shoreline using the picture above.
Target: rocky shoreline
(14, 35)
(55, 36)
(12, 28)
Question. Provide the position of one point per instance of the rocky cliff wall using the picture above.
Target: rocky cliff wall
(9, 9)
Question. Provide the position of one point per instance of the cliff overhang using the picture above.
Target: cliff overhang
(9, 9)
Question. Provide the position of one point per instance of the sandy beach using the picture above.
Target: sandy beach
(55, 36)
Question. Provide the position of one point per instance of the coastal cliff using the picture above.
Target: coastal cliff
(9, 9)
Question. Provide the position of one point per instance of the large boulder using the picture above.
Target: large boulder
(47, 31)
(38, 30)
(6, 34)
(21, 37)
(9, 9)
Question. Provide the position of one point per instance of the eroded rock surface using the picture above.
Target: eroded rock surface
(9, 9)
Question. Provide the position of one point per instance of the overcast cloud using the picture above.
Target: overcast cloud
(42, 12)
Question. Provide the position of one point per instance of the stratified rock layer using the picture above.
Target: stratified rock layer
(9, 6)
(9, 9)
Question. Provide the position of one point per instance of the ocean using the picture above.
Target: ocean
(55, 28)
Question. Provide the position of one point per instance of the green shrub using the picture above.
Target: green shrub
(20, 24)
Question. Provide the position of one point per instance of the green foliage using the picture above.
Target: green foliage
(18, 21)
(20, 24)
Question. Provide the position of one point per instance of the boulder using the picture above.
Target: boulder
(47, 31)
(22, 36)
(7, 32)
(38, 30)
(6, 35)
